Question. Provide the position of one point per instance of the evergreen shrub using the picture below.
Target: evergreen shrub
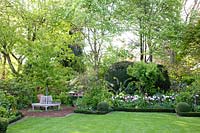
(3, 125)
(183, 107)
(103, 106)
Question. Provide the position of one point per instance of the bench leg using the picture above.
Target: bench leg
(46, 108)
(32, 107)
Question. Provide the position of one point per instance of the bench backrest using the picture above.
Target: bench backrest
(46, 99)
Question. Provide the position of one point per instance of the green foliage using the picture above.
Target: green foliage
(96, 93)
(117, 75)
(185, 96)
(191, 41)
(8, 104)
(195, 86)
(146, 76)
(183, 107)
(65, 98)
(103, 106)
(75, 62)
(3, 112)
(35, 40)
(3, 125)
(197, 108)
(163, 81)
(154, 22)
(43, 68)
(21, 90)
(190, 94)
(111, 56)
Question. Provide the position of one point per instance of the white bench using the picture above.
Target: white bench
(45, 101)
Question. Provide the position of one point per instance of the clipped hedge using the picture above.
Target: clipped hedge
(91, 112)
(145, 110)
(3, 124)
(189, 114)
(125, 110)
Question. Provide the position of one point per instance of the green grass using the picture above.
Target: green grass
(115, 122)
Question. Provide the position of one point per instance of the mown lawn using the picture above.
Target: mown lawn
(115, 122)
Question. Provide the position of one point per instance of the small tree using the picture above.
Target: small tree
(146, 76)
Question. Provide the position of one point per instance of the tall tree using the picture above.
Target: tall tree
(10, 36)
(97, 28)
(148, 19)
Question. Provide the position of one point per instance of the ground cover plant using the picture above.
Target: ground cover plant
(122, 122)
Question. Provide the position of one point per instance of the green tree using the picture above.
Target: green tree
(148, 19)
(10, 37)
(97, 29)
(146, 76)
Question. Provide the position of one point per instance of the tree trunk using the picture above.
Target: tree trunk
(141, 41)
(172, 57)
(10, 64)
(150, 53)
(141, 48)
(4, 68)
(151, 57)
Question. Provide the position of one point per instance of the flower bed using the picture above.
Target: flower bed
(156, 101)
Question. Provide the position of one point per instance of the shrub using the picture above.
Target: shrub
(150, 78)
(197, 108)
(3, 125)
(140, 74)
(18, 115)
(190, 94)
(7, 104)
(3, 112)
(118, 72)
(163, 83)
(21, 92)
(65, 98)
(103, 106)
(185, 96)
(95, 94)
(183, 107)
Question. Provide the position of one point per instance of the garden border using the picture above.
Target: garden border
(188, 114)
(125, 110)
(18, 116)
(91, 112)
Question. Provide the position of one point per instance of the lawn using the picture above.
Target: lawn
(115, 122)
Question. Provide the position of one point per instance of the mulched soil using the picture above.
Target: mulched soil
(50, 113)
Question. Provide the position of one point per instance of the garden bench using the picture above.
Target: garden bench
(45, 101)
